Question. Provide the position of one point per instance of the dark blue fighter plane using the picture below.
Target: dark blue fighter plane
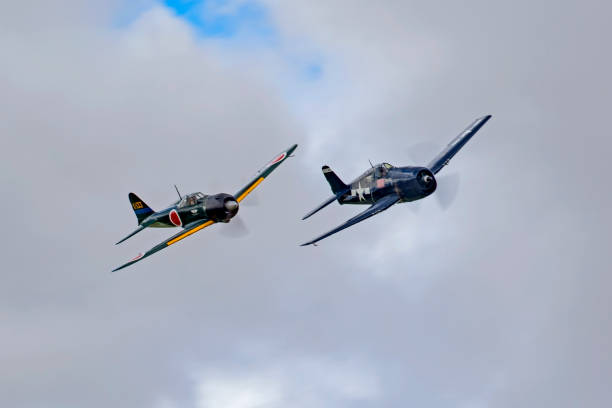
(384, 185)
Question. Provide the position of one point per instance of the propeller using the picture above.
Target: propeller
(252, 200)
(236, 228)
(448, 183)
(448, 187)
(231, 205)
(415, 206)
(422, 152)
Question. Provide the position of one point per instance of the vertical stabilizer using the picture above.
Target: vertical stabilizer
(141, 209)
(334, 181)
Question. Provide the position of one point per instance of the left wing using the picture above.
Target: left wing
(263, 173)
(189, 229)
(379, 206)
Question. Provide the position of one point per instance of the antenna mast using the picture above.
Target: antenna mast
(177, 192)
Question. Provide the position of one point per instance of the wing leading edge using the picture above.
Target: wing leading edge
(189, 229)
(264, 172)
(379, 206)
(456, 144)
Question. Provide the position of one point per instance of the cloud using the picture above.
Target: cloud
(499, 301)
(237, 393)
(304, 382)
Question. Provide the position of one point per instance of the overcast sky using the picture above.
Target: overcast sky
(502, 300)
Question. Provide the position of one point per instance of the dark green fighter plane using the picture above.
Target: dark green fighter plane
(196, 211)
(384, 185)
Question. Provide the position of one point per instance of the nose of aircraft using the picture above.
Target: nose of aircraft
(231, 205)
(426, 181)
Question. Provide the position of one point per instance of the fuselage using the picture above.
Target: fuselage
(409, 183)
(194, 207)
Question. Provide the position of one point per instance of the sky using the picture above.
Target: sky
(501, 300)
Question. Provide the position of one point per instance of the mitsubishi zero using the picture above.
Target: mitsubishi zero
(196, 211)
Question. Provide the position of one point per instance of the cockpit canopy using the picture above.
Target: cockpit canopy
(378, 171)
(190, 199)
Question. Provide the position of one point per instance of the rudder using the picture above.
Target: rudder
(141, 209)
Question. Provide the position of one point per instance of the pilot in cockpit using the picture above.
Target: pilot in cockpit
(380, 171)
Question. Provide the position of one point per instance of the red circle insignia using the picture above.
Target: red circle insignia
(138, 257)
(175, 219)
(277, 159)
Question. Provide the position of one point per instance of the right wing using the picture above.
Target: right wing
(379, 206)
(189, 229)
(456, 144)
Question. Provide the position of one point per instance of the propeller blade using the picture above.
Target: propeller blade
(252, 200)
(415, 206)
(448, 187)
(236, 228)
(422, 152)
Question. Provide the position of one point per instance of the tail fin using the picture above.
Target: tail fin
(141, 210)
(334, 181)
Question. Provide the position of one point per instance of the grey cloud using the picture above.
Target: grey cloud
(506, 276)
(499, 301)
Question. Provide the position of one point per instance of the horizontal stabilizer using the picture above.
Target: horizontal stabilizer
(136, 231)
(326, 203)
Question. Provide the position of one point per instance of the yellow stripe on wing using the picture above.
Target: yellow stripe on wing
(188, 233)
(248, 190)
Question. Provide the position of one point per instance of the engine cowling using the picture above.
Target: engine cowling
(221, 207)
(426, 181)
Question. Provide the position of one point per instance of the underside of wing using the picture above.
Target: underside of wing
(456, 144)
(189, 229)
(263, 173)
(379, 206)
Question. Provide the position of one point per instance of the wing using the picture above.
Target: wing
(379, 206)
(263, 173)
(456, 144)
(189, 229)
